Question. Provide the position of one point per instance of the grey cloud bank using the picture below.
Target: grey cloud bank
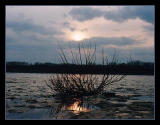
(145, 13)
(118, 41)
(48, 50)
(18, 26)
(83, 14)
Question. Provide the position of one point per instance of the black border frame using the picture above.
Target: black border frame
(80, 2)
(156, 3)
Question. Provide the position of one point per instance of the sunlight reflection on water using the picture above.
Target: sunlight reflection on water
(76, 108)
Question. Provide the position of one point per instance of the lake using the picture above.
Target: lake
(28, 97)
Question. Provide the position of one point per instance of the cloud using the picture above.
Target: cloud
(72, 28)
(66, 24)
(27, 40)
(145, 54)
(31, 48)
(85, 13)
(136, 53)
(27, 32)
(100, 42)
(145, 13)
(49, 51)
(32, 53)
(76, 29)
(22, 26)
(149, 28)
(117, 41)
(142, 51)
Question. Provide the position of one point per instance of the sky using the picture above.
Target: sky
(34, 33)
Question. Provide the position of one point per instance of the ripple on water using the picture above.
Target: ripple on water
(27, 97)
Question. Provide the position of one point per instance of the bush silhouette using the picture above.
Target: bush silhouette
(83, 84)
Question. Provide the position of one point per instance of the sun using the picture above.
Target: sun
(77, 36)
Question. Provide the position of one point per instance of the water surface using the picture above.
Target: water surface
(27, 97)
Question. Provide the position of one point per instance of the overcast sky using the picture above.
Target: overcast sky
(33, 33)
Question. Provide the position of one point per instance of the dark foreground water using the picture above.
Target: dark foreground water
(27, 97)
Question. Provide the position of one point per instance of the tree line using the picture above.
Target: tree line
(129, 68)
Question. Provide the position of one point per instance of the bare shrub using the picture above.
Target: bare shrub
(83, 84)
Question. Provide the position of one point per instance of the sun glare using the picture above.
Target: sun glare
(78, 36)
